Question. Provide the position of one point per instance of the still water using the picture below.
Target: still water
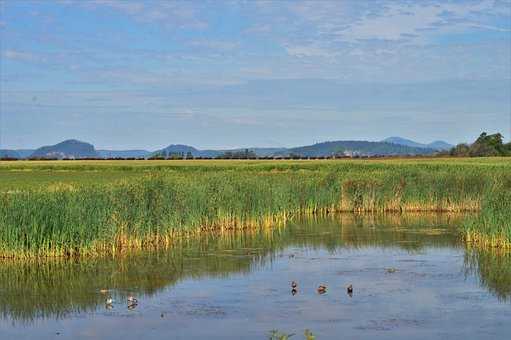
(411, 277)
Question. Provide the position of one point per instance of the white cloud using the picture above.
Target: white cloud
(171, 14)
(395, 21)
(308, 51)
(409, 21)
(215, 44)
(258, 29)
(21, 56)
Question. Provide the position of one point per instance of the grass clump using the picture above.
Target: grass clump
(492, 228)
(157, 202)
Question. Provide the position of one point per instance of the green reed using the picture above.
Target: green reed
(159, 201)
(63, 287)
(492, 228)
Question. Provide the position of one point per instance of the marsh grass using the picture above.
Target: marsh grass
(493, 268)
(492, 227)
(41, 288)
(159, 202)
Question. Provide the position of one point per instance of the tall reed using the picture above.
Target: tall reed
(156, 205)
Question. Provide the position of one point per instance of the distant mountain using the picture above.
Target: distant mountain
(391, 146)
(403, 141)
(177, 149)
(351, 148)
(25, 153)
(123, 153)
(67, 149)
(18, 153)
(440, 145)
(262, 152)
(4, 153)
(436, 145)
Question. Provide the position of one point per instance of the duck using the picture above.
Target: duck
(132, 300)
(350, 289)
(294, 285)
(108, 302)
(322, 289)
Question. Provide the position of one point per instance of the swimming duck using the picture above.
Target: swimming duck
(294, 285)
(322, 289)
(350, 289)
(132, 300)
(109, 303)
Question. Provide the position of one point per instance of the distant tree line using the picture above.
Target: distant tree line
(245, 154)
(485, 146)
(171, 155)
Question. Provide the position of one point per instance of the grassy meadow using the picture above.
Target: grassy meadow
(87, 208)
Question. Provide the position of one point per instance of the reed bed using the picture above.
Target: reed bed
(64, 287)
(492, 227)
(158, 203)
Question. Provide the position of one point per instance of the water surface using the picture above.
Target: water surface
(411, 276)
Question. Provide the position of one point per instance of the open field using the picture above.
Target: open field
(52, 208)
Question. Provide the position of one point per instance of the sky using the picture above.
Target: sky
(224, 74)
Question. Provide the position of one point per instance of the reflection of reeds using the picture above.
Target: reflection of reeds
(410, 231)
(54, 288)
(493, 268)
(152, 211)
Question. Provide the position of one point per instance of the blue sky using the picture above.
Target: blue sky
(145, 74)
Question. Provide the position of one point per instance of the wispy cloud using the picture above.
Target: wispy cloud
(396, 20)
(22, 56)
(215, 44)
(171, 14)
(237, 60)
(311, 50)
(416, 21)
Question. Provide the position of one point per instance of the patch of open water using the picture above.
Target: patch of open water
(407, 282)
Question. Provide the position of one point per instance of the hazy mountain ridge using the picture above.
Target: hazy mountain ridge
(353, 148)
(390, 146)
(5, 153)
(123, 153)
(70, 148)
(436, 145)
(177, 149)
(16, 153)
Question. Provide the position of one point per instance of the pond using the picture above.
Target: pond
(411, 277)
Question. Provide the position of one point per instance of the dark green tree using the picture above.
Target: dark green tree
(485, 146)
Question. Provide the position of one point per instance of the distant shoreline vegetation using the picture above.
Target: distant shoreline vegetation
(98, 208)
(485, 146)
